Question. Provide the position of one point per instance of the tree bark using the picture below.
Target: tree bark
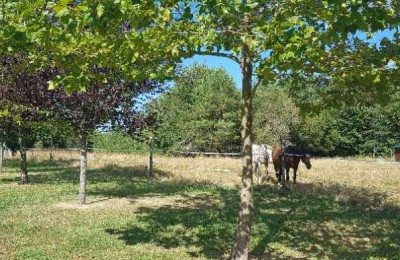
(51, 149)
(1, 157)
(241, 248)
(83, 169)
(23, 164)
(151, 170)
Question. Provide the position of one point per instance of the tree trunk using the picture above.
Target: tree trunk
(1, 157)
(23, 164)
(241, 248)
(151, 170)
(83, 172)
(51, 149)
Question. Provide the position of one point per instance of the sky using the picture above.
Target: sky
(233, 68)
(229, 65)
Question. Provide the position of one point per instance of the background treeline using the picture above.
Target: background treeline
(201, 112)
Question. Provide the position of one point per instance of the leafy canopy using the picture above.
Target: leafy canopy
(78, 36)
(200, 113)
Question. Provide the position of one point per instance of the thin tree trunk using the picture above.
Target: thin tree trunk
(1, 157)
(23, 164)
(241, 248)
(51, 149)
(151, 170)
(83, 172)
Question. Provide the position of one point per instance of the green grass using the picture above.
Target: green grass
(131, 217)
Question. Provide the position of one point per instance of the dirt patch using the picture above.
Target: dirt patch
(177, 201)
(94, 204)
(154, 202)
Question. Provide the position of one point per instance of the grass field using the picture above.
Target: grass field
(339, 209)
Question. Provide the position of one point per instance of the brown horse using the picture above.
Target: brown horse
(292, 159)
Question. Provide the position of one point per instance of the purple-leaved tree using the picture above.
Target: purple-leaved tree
(101, 103)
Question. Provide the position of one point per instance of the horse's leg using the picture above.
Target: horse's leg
(262, 175)
(294, 175)
(287, 174)
(281, 170)
(277, 171)
(256, 170)
(266, 167)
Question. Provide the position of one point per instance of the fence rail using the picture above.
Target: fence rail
(208, 154)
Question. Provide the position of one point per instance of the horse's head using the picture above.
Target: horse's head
(306, 160)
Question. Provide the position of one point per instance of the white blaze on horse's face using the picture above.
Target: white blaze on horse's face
(306, 160)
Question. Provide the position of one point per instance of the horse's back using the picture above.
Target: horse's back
(290, 161)
(261, 153)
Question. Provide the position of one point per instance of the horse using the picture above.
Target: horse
(262, 154)
(292, 159)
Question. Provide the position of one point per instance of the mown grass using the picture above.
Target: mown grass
(338, 210)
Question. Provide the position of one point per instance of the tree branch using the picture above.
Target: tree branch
(218, 54)
(258, 83)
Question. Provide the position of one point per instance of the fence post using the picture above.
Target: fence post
(151, 173)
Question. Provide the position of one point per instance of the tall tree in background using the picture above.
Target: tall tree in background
(276, 116)
(54, 133)
(200, 113)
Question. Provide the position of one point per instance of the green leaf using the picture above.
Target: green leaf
(100, 10)
(52, 85)
(4, 112)
(166, 14)
(377, 79)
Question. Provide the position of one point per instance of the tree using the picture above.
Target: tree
(54, 133)
(101, 103)
(77, 36)
(29, 100)
(8, 133)
(364, 128)
(272, 38)
(81, 40)
(116, 140)
(22, 95)
(199, 113)
(276, 117)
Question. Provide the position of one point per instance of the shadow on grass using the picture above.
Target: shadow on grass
(67, 171)
(333, 222)
(308, 221)
(202, 227)
(38, 171)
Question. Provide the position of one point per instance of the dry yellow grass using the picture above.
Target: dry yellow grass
(372, 176)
